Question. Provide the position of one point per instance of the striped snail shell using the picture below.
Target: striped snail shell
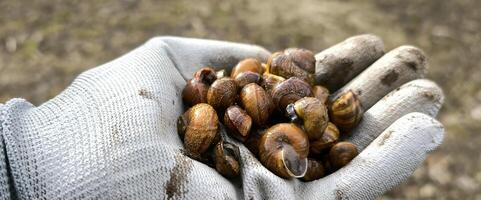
(346, 111)
(313, 115)
(283, 149)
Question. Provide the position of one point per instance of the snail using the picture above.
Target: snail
(257, 103)
(199, 129)
(269, 81)
(303, 58)
(289, 91)
(195, 91)
(320, 93)
(222, 93)
(341, 154)
(293, 63)
(249, 64)
(315, 170)
(226, 158)
(245, 78)
(283, 149)
(238, 122)
(313, 115)
(206, 74)
(329, 138)
(346, 111)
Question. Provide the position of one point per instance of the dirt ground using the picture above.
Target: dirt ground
(45, 44)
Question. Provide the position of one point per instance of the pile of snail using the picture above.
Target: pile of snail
(292, 125)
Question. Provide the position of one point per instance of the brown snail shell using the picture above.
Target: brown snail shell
(206, 75)
(269, 81)
(244, 78)
(222, 93)
(283, 150)
(346, 111)
(315, 170)
(200, 129)
(285, 64)
(320, 93)
(313, 115)
(289, 91)
(195, 92)
(341, 154)
(249, 64)
(238, 122)
(303, 58)
(257, 103)
(226, 157)
(329, 138)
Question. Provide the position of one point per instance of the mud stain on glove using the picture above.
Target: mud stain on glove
(176, 186)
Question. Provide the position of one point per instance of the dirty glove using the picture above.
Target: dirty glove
(112, 133)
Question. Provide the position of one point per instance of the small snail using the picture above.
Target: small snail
(283, 149)
(312, 113)
(329, 138)
(245, 78)
(226, 158)
(269, 81)
(346, 111)
(238, 122)
(315, 170)
(222, 93)
(303, 58)
(289, 91)
(341, 154)
(293, 62)
(257, 103)
(320, 93)
(199, 129)
(206, 74)
(249, 64)
(194, 92)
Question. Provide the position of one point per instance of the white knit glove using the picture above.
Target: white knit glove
(112, 133)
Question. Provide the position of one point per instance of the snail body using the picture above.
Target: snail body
(346, 111)
(312, 113)
(283, 149)
(257, 103)
(199, 128)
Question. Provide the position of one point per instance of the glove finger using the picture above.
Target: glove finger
(338, 64)
(421, 95)
(190, 54)
(395, 68)
(385, 163)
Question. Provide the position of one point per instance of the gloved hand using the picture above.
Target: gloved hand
(112, 133)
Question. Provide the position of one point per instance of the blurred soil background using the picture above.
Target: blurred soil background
(45, 44)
